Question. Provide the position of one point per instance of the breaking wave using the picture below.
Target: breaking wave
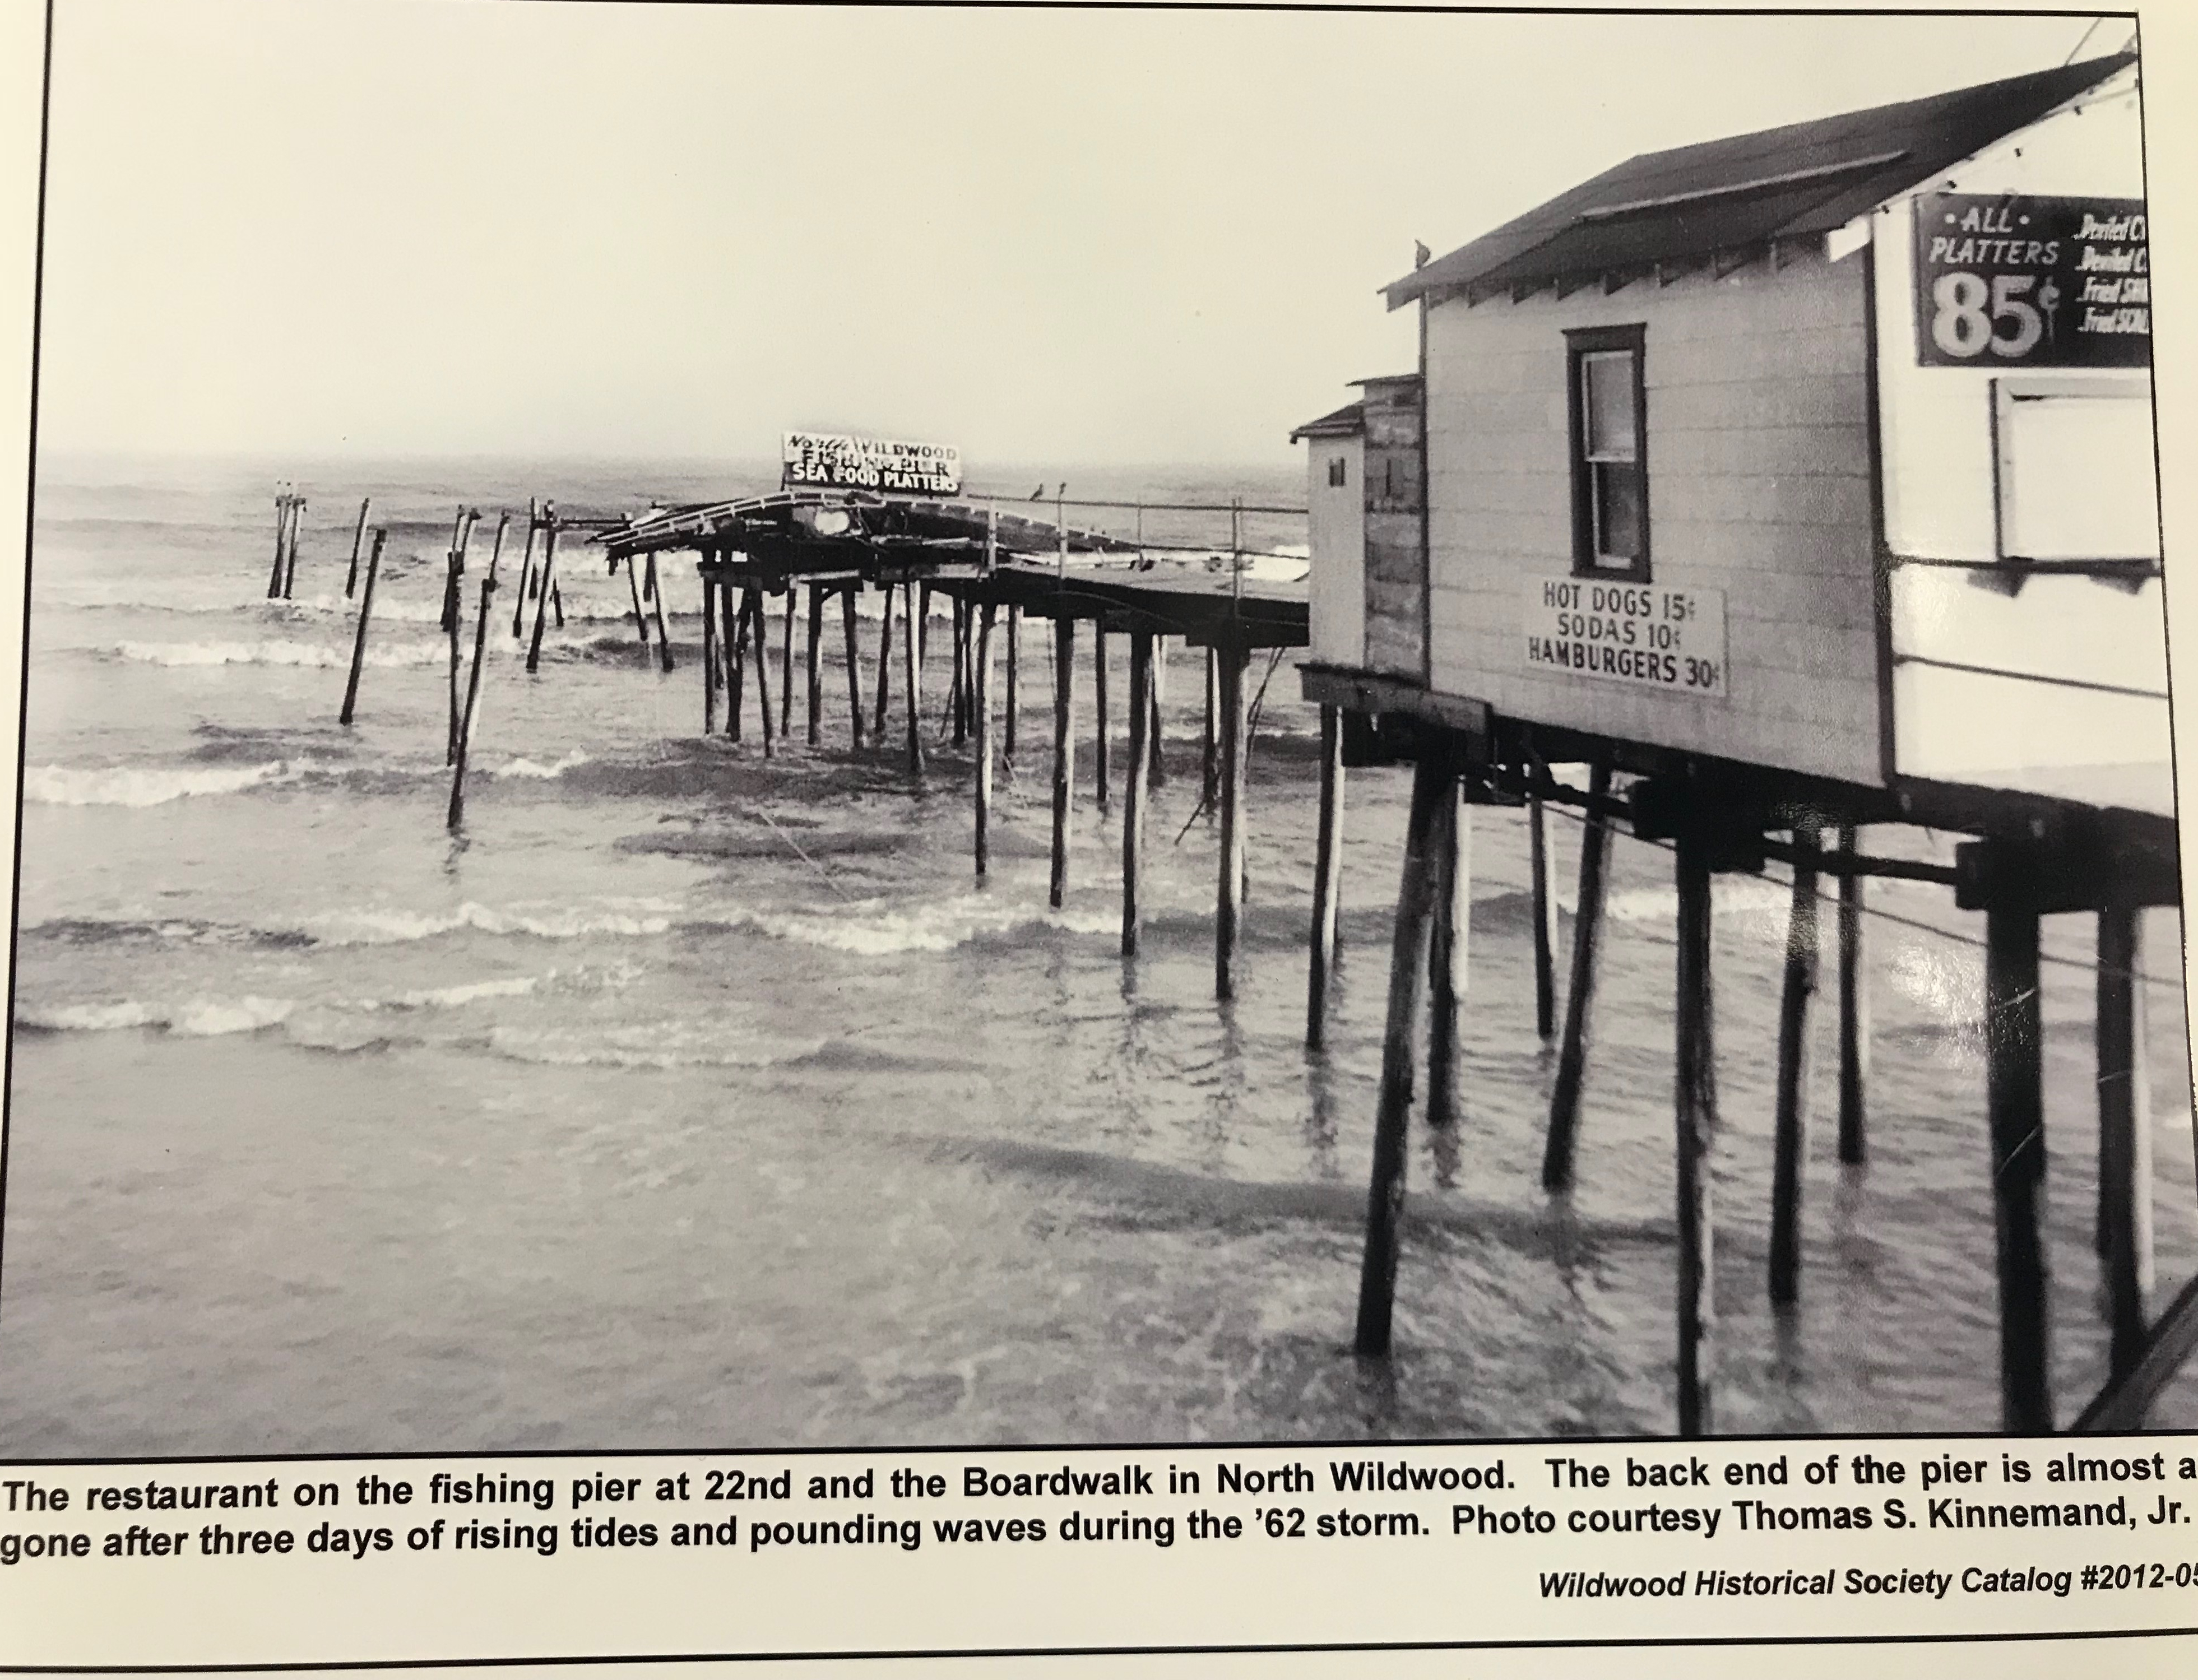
(123, 785)
(195, 1018)
(313, 655)
(528, 770)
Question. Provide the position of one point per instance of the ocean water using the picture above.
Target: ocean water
(688, 1098)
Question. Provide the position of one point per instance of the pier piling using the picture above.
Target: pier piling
(290, 563)
(785, 666)
(1327, 876)
(1432, 781)
(1136, 786)
(733, 626)
(1448, 945)
(2125, 1136)
(546, 583)
(526, 583)
(1102, 763)
(633, 588)
(1212, 726)
(1540, 864)
(1064, 750)
(359, 643)
(663, 634)
(1790, 1135)
(981, 726)
(1694, 1112)
(848, 624)
(760, 632)
(1558, 1152)
(919, 610)
(1011, 700)
(814, 656)
(358, 537)
(2014, 1045)
(1854, 1015)
(709, 654)
(1229, 917)
(885, 658)
(456, 814)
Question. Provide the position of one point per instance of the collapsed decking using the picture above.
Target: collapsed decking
(1804, 479)
(992, 565)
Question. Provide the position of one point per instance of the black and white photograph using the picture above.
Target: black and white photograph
(802, 727)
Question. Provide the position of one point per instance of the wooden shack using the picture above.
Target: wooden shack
(1802, 480)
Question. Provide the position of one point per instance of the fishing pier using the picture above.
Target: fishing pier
(1738, 503)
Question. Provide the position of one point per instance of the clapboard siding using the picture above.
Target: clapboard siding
(1759, 487)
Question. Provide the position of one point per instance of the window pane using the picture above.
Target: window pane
(1607, 388)
(1617, 512)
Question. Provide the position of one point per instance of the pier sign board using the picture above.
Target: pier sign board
(838, 461)
(2012, 281)
(1639, 634)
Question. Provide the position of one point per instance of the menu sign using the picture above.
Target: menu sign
(2006, 281)
(836, 461)
(1651, 637)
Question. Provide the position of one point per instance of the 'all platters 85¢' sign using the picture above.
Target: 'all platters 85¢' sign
(1639, 634)
(2014, 281)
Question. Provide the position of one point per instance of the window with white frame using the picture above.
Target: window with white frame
(1609, 451)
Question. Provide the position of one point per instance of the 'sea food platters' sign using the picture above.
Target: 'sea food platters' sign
(836, 461)
(2015, 282)
(1640, 634)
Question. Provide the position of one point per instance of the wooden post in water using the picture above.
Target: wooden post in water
(1696, 1120)
(1064, 748)
(546, 583)
(1213, 725)
(1011, 702)
(358, 537)
(358, 645)
(1854, 1015)
(1432, 784)
(526, 582)
(709, 654)
(1136, 788)
(1579, 1001)
(885, 658)
(663, 634)
(1448, 945)
(814, 654)
(1789, 1147)
(2125, 1136)
(786, 666)
(911, 659)
(1540, 865)
(1229, 917)
(760, 632)
(281, 543)
(1160, 702)
(981, 723)
(290, 564)
(1327, 876)
(633, 587)
(456, 813)
(960, 698)
(732, 630)
(848, 624)
(455, 613)
(2014, 1045)
(1102, 765)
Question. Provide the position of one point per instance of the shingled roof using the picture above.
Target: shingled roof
(1727, 194)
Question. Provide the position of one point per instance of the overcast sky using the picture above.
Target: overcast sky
(421, 226)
